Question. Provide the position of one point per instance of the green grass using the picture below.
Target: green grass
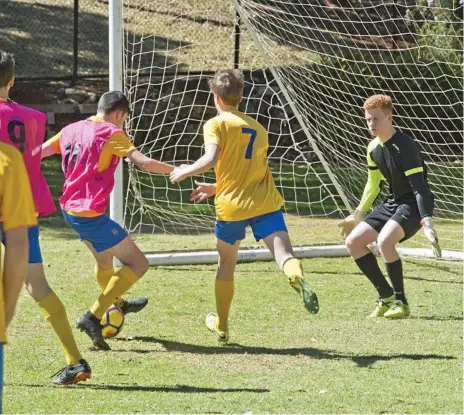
(283, 360)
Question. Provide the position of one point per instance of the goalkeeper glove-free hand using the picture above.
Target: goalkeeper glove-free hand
(431, 235)
(350, 222)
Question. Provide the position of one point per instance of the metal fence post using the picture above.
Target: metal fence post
(75, 42)
(115, 27)
(237, 39)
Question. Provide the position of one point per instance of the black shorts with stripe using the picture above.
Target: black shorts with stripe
(405, 214)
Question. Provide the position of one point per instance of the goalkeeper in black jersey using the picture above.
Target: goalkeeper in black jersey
(395, 157)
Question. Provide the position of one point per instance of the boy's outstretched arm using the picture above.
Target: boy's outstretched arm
(204, 163)
(147, 164)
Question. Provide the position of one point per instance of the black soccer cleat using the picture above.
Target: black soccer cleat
(73, 374)
(134, 306)
(90, 324)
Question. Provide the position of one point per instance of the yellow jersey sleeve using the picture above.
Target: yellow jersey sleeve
(119, 145)
(54, 143)
(212, 132)
(16, 203)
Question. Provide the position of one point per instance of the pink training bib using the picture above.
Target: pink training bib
(85, 188)
(24, 128)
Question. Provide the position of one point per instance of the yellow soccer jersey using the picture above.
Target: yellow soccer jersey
(245, 187)
(16, 207)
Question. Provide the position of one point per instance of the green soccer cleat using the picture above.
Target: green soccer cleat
(210, 321)
(310, 300)
(399, 310)
(382, 306)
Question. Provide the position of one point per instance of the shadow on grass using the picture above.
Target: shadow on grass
(437, 318)
(175, 388)
(234, 348)
(142, 388)
(456, 270)
(433, 280)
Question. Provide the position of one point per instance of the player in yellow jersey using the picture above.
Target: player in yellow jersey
(24, 128)
(17, 213)
(237, 145)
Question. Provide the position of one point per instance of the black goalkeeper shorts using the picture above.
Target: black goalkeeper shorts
(405, 214)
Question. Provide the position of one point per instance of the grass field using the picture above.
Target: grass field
(282, 360)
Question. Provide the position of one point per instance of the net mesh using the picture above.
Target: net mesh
(325, 59)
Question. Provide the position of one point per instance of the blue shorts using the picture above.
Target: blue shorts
(101, 231)
(35, 254)
(262, 226)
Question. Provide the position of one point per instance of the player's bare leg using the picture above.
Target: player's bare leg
(224, 290)
(77, 369)
(387, 240)
(281, 248)
(356, 243)
(359, 238)
(391, 234)
(104, 270)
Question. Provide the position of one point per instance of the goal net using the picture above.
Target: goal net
(308, 67)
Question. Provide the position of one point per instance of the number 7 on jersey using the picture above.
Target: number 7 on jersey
(253, 134)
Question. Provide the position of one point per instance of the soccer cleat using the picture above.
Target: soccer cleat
(310, 300)
(399, 310)
(72, 374)
(134, 306)
(382, 305)
(89, 324)
(211, 321)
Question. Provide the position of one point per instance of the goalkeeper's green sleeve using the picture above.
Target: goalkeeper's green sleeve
(372, 189)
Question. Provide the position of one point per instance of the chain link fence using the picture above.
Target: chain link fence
(56, 39)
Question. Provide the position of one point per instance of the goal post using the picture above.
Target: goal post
(308, 67)
(115, 36)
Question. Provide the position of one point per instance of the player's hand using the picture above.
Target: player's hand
(203, 191)
(431, 235)
(350, 222)
(374, 248)
(178, 174)
(347, 225)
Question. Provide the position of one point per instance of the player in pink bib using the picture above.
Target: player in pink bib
(24, 128)
(90, 151)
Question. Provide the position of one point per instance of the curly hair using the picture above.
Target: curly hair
(379, 101)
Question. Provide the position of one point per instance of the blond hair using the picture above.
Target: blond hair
(228, 85)
(379, 101)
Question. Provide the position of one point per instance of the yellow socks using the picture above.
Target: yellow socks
(224, 294)
(103, 277)
(293, 268)
(118, 284)
(53, 310)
